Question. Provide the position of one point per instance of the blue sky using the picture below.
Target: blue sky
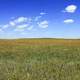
(39, 19)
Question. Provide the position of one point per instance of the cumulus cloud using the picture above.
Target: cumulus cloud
(5, 26)
(70, 8)
(20, 20)
(37, 18)
(16, 22)
(67, 21)
(19, 24)
(25, 23)
(22, 26)
(42, 13)
(43, 24)
(12, 23)
(40, 16)
(30, 27)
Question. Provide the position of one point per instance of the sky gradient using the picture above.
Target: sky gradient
(39, 19)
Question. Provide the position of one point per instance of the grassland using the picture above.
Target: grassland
(39, 59)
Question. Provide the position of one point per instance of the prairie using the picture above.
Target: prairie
(40, 59)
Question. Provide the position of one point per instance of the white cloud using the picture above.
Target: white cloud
(12, 23)
(42, 13)
(24, 23)
(40, 16)
(30, 27)
(70, 9)
(29, 20)
(69, 21)
(20, 20)
(22, 26)
(17, 22)
(43, 24)
(5, 26)
(37, 18)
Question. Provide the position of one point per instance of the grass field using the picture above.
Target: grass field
(39, 59)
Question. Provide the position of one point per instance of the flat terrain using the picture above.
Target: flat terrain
(39, 59)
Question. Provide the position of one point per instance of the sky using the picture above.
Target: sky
(39, 19)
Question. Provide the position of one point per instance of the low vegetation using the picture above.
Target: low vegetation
(40, 59)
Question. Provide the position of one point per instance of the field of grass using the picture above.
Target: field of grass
(39, 59)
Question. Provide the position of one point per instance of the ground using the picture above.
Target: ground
(39, 59)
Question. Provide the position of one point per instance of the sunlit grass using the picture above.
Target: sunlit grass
(39, 59)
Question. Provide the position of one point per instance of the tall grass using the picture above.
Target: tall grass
(39, 59)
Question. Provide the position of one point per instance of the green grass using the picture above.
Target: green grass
(39, 59)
